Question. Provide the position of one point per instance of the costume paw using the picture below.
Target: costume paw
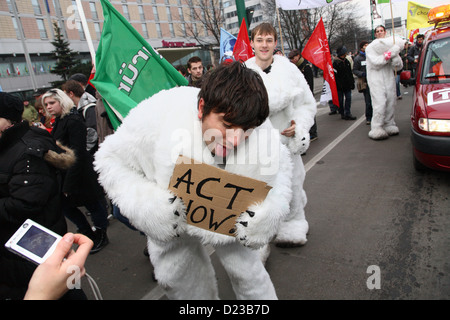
(253, 229)
(378, 134)
(171, 221)
(391, 130)
(299, 143)
(179, 215)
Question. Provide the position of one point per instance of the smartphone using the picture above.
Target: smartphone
(33, 242)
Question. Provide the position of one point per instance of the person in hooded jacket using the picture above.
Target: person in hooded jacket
(345, 82)
(30, 164)
(80, 187)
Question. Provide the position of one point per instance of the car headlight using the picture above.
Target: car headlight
(434, 125)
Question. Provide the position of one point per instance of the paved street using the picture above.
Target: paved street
(378, 229)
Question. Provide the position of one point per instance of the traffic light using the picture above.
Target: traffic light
(249, 15)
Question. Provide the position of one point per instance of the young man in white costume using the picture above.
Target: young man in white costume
(383, 59)
(292, 110)
(217, 125)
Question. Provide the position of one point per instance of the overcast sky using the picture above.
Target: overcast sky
(399, 9)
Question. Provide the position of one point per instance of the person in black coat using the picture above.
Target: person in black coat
(30, 165)
(80, 187)
(303, 65)
(345, 82)
(359, 70)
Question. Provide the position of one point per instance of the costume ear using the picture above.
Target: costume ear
(201, 103)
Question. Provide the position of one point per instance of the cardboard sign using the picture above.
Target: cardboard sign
(214, 198)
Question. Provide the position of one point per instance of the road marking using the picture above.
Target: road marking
(158, 292)
(333, 144)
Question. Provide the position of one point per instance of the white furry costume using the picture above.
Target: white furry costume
(290, 99)
(381, 81)
(135, 165)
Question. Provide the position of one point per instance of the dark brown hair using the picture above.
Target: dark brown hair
(238, 92)
(193, 59)
(263, 29)
(74, 86)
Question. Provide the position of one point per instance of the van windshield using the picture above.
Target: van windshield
(436, 65)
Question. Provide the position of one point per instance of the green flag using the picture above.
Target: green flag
(128, 69)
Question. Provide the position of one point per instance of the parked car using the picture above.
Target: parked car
(430, 113)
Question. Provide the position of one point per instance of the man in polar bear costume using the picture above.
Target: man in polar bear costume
(383, 60)
(225, 125)
(292, 110)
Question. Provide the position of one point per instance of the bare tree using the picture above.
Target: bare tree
(298, 25)
(208, 14)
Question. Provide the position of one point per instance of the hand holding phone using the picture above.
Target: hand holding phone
(50, 279)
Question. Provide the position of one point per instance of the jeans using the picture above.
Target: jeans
(368, 102)
(344, 108)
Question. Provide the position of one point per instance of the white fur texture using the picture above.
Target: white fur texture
(291, 99)
(135, 165)
(381, 81)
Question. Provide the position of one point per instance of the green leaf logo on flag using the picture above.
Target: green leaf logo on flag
(128, 69)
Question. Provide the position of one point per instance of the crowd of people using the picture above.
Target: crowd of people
(60, 155)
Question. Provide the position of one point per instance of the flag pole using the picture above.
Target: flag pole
(393, 32)
(392, 21)
(279, 27)
(86, 31)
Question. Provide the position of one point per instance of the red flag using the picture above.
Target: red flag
(317, 52)
(242, 49)
(412, 33)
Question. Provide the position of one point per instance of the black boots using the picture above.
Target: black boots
(99, 237)
(100, 240)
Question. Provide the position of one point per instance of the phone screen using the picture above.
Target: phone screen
(36, 241)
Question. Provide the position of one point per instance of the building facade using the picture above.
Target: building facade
(27, 32)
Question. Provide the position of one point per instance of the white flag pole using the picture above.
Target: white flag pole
(86, 31)
(392, 21)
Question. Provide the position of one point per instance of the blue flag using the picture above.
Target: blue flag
(227, 42)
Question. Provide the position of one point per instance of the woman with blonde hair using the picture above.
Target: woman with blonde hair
(80, 185)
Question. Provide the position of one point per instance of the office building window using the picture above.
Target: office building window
(93, 10)
(144, 30)
(158, 30)
(80, 30)
(141, 13)
(126, 13)
(172, 32)
(41, 28)
(36, 7)
(155, 13)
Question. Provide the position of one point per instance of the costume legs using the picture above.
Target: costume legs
(293, 229)
(246, 272)
(377, 131)
(390, 126)
(183, 268)
(383, 124)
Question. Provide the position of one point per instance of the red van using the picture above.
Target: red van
(430, 114)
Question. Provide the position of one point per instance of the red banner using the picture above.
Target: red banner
(242, 49)
(318, 53)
